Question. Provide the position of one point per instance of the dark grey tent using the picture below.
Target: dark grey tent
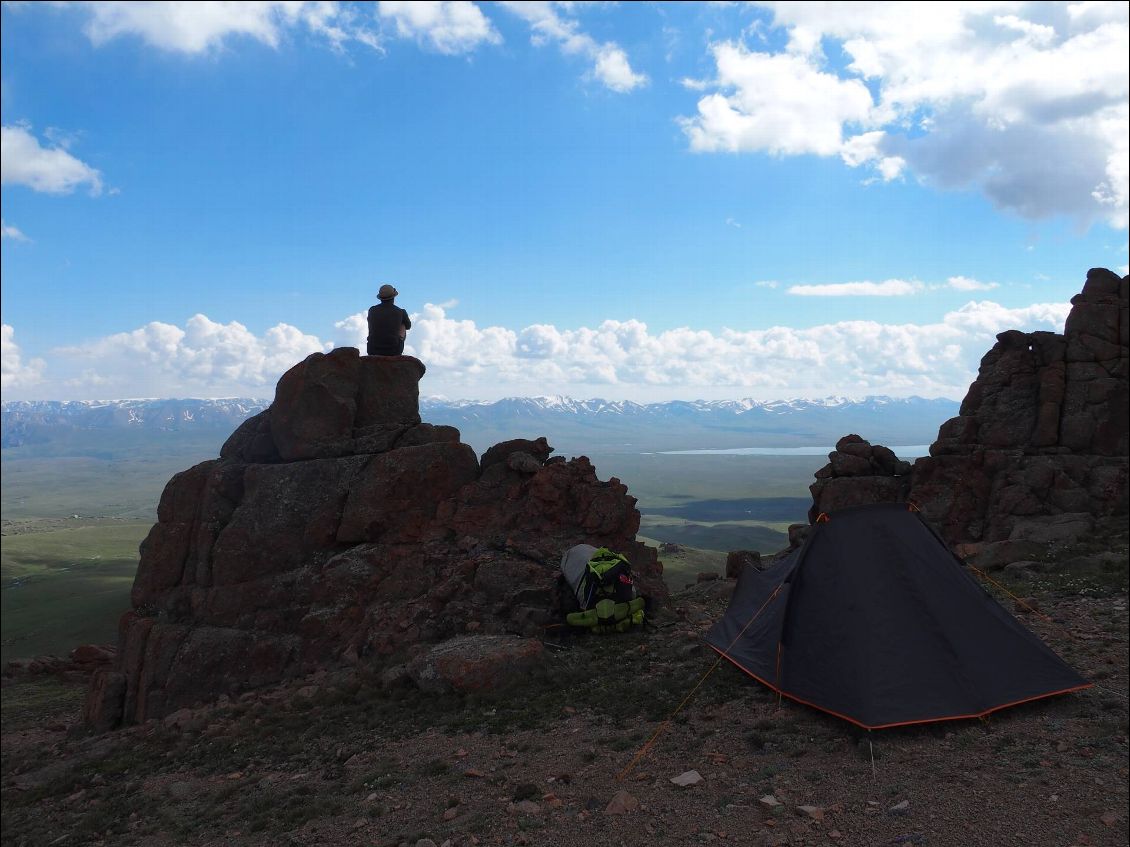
(875, 621)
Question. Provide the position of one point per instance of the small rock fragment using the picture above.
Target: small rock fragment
(687, 779)
(621, 803)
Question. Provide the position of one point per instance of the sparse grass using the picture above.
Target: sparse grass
(66, 586)
(1068, 571)
(30, 704)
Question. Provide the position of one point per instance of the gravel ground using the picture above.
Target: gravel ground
(337, 761)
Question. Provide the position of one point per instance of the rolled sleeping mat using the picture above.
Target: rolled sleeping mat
(574, 563)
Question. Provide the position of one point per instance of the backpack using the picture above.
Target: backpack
(604, 590)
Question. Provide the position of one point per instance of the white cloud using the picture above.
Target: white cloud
(202, 358)
(52, 170)
(887, 288)
(623, 359)
(11, 233)
(865, 149)
(1025, 102)
(447, 27)
(779, 104)
(14, 372)
(964, 283)
(610, 65)
(200, 27)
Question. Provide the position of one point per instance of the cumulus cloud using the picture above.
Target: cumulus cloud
(627, 360)
(192, 27)
(610, 65)
(202, 358)
(780, 104)
(52, 170)
(447, 27)
(11, 233)
(964, 283)
(14, 371)
(624, 359)
(887, 288)
(1025, 102)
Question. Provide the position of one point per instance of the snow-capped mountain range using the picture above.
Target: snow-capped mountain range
(571, 425)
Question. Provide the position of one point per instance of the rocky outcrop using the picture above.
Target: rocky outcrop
(1038, 453)
(336, 527)
(858, 472)
(80, 663)
(738, 560)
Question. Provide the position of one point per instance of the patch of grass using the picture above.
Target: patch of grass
(767, 772)
(65, 587)
(718, 537)
(30, 703)
(435, 767)
(526, 791)
(1069, 570)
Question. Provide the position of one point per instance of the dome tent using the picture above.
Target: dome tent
(874, 620)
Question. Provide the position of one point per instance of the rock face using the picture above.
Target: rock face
(1038, 453)
(337, 527)
(858, 472)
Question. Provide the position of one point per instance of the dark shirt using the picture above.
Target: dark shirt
(385, 321)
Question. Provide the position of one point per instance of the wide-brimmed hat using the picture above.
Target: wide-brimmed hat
(387, 292)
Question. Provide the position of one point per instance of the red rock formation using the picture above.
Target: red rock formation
(858, 472)
(1039, 450)
(336, 527)
(1038, 453)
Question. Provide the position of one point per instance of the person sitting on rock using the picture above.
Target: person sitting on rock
(388, 325)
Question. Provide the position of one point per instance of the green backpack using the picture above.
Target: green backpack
(607, 595)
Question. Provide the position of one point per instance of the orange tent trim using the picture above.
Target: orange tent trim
(862, 725)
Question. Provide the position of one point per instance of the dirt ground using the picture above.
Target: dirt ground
(337, 760)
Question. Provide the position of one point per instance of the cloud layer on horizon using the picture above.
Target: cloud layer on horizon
(621, 359)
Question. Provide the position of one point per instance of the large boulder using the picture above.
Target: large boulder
(857, 473)
(1038, 452)
(335, 528)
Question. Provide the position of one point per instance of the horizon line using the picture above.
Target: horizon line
(562, 397)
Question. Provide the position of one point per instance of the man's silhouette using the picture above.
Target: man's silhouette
(388, 325)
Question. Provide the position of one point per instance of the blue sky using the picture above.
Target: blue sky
(635, 201)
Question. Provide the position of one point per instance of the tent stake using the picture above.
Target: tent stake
(871, 747)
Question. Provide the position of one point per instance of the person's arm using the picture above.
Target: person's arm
(406, 320)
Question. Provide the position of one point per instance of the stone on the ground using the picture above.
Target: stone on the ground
(621, 803)
(687, 779)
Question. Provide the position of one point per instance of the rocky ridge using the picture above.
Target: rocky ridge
(338, 528)
(1037, 454)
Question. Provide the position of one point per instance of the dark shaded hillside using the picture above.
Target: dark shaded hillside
(791, 509)
(721, 538)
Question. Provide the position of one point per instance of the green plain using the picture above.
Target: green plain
(65, 585)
